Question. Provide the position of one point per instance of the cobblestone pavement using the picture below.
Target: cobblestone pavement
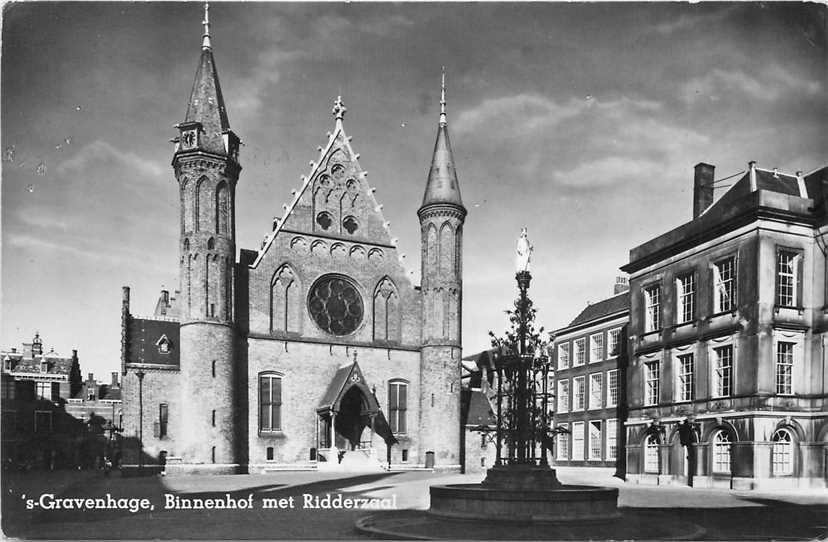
(649, 512)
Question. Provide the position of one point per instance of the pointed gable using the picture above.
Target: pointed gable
(335, 200)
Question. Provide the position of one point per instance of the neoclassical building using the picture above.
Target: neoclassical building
(727, 383)
(313, 345)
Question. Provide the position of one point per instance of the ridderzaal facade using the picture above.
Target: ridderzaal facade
(315, 350)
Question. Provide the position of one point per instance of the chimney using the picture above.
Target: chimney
(702, 188)
(621, 285)
(91, 377)
(115, 379)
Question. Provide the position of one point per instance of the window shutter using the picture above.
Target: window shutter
(776, 287)
(799, 269)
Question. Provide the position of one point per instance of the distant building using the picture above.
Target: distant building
(727, 381)
(50, 417)
(477, 417)
(589, 358)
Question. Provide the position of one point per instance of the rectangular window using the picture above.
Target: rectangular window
(595, 439)
(596, 347)
(684, 378)
(614, 342)
(612, 440)
(652, 309)
(578, 441)
(580, 352)
(8, 389)
(562, 450)
(578, 393)
(724, 285)
(651, 383)
(686, 297)
(163, 418)
(612, 388)
(397, 405)
(563, 356)
(787, 278)
(784, 367)
(270, 403)
(44, 390)
(596, 390)
(563, 395)
(722, 370)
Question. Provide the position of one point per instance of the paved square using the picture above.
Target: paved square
(647, 511)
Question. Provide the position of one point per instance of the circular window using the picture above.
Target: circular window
(324, 220)
(335, 305)
(350, 224)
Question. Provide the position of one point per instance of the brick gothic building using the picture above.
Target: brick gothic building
(305, 347)
(727, 383)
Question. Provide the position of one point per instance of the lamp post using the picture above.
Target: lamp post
(140, 375)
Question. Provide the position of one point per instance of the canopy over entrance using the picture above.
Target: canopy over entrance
(349, 406)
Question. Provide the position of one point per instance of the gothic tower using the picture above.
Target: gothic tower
(441, 225)
(207, 168)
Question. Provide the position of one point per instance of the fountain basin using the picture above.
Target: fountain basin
(561, 504)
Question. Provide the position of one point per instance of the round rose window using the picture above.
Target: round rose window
(335, 305)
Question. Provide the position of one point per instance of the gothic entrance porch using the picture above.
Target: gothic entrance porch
(347, 419)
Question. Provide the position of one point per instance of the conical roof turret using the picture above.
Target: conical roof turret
(206, 105)
(442, 186)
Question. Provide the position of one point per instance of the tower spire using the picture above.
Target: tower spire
(442, 186)
(443, 121)
(205, 38)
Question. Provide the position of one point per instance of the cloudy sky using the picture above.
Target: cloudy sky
(580, 121)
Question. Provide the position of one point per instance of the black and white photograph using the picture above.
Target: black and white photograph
(414, 270)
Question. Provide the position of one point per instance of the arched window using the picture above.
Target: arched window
(651, 462)
(284, 301)
(397, 405)
(203, 206)
(270, 402)
(386, 312)
(431, 246)
(211, 243)
(782, 454)
(186, 244)
(447, 249)
(721, 452)
(222, 209)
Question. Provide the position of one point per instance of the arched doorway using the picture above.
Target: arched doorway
(355, 414)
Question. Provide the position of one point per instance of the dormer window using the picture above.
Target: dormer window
(164, 345)
(44, 366)
(189, 139)
(7, 364)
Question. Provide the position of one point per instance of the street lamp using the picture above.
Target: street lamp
(140, 375)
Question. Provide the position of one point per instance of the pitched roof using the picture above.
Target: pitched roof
(142, 342)
(344, 378)
(759, 192)
(477, 409)
(602, 309)
(56, 365)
